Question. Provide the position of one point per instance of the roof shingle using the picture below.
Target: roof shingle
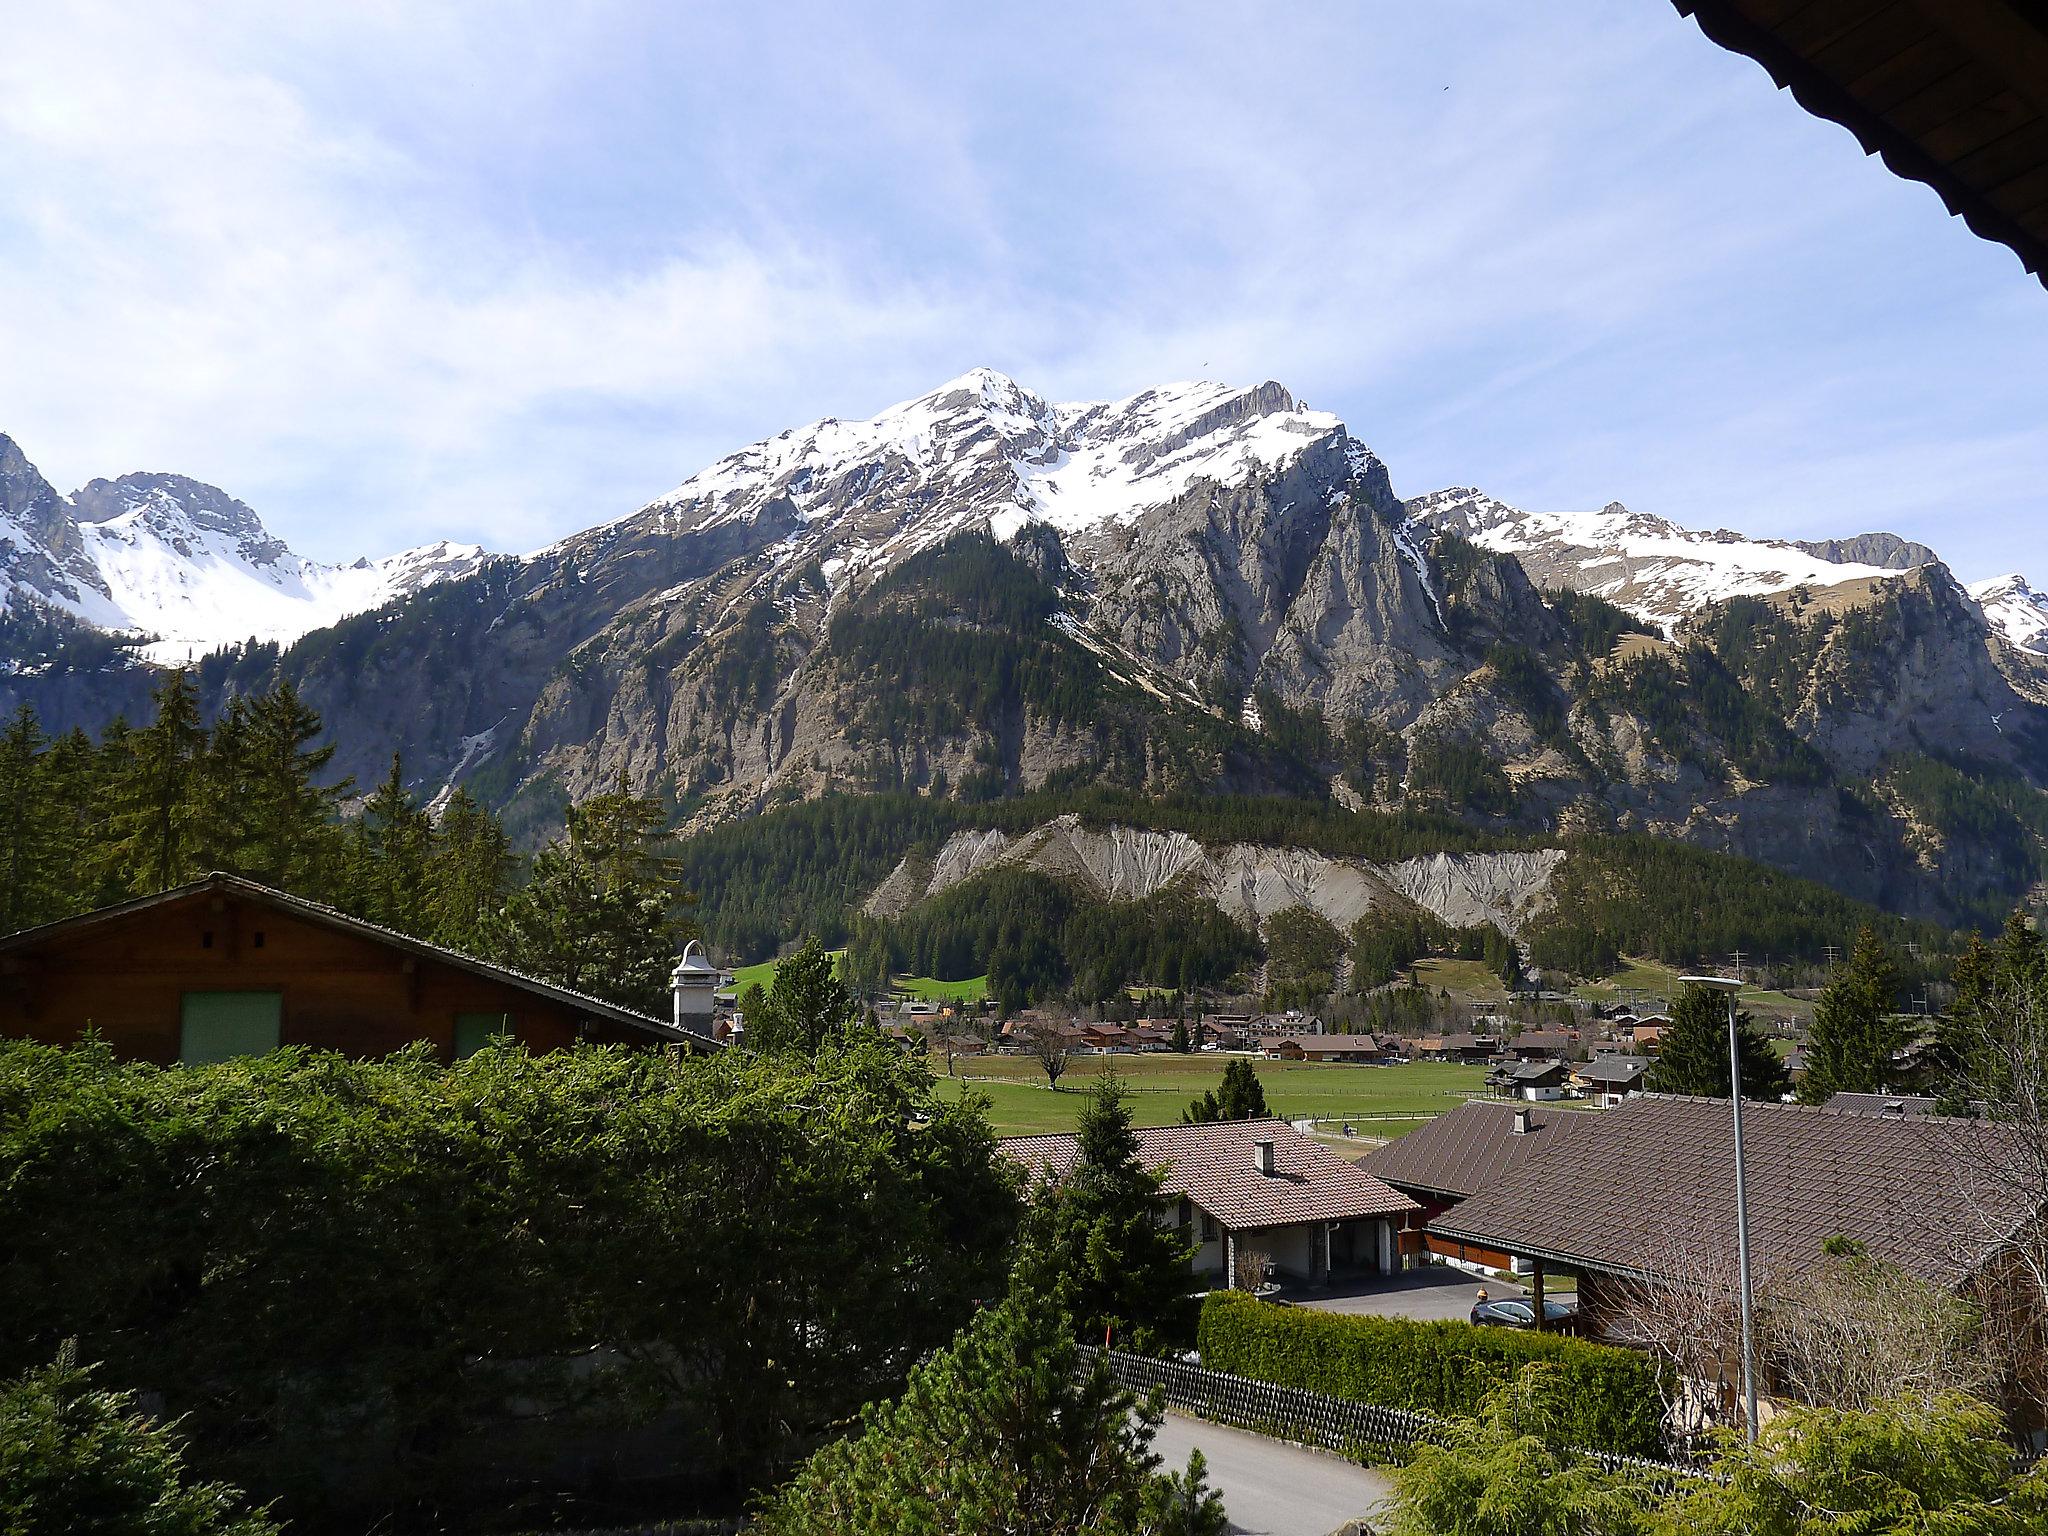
(1212, 1165)
(1473, 1146)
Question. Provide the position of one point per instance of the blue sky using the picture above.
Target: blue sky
(392, 271)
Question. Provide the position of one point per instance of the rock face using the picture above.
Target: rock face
(1248, 882)
(181, 567)
(981, 592)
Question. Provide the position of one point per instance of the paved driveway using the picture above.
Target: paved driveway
(1436, 1292)
(1271, 1488)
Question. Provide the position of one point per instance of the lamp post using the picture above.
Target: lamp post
(1730, 985)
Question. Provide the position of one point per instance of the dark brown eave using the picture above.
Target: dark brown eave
(313, 911)
(1950, 93)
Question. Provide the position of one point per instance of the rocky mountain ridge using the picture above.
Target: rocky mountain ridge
(180, 566)
(1247, 882)
(980, 593)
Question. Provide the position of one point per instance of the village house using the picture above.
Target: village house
(1456, 1155)
(1356, 1048)
(1609, 1078)
(1463, 1046)
(1245, 1185)
(1538, 1082)
(226, 967)
(1641, 1195)
(1543, 1044)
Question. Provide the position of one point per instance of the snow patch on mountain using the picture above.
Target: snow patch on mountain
(1647, 564)
(981, 450)
(188, 565)
(2016, 610)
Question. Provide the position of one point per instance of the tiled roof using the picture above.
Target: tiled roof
(1470, 1148)
(1529, 1071)
(1212, 1165)
(1329, 1042)
(1613, 1069)
(1660, 1168)
(1885, 1103)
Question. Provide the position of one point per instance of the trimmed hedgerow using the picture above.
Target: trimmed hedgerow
(1432, 1367)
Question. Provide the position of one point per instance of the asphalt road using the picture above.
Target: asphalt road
(1271, 1488)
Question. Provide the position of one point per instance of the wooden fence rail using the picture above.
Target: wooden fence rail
(1366, 1431)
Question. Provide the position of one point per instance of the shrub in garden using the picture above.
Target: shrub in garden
(1444, 1368)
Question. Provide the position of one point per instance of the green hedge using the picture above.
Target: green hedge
(1436, 1367)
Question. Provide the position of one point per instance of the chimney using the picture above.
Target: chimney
(1262, 1155)
(1521, 1120)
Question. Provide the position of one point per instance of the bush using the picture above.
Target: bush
(75, 1461)
(1445, 1368)
(373, 1285)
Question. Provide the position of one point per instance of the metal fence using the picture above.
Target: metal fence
(1366, 1431)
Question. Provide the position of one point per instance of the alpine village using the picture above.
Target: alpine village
(1013, 966)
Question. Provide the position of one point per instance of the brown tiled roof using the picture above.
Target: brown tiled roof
(1212, 1165)
(1660, 1168)
(1329, 1042)
(1468, 1149)
(1612, 1069)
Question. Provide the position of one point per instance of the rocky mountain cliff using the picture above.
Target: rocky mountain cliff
(980, 593)
(179, 567)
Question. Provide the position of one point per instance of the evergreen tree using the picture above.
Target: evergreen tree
(288, 822)
(1095, 1242)
(1002, 1431)
(1182, 1042)
(1974, 1041)
(34, 863)
(158, 794)
(1241, 1097)
(393, 857)
(807, 1006)
(1692, 1055)
(469, 876)
(599, 912)
(1855, 1035)
(79, 1461)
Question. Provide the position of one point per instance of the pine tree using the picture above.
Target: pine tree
(470, 874)
(33, 862)
(1975, 1040)
(599, 911)
(1692, 1055)
(1095, 1242)
(807, 1006)
(157, 796)
(289, 823)
(1856, 1036)
(393, 855)
(1241, 1097)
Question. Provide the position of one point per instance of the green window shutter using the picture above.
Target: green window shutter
(472, 1030)
(217, 1026)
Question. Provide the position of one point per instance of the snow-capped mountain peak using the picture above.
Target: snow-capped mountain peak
(2015, 609)
(184, 562)
(982, 450)
(1644, 563)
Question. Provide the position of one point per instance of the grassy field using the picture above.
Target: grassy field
(930, 990)
(1662, 981)
(1161, 1087)
(1471, 980)
(972, 990)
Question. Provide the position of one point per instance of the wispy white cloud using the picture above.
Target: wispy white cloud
(391, 271)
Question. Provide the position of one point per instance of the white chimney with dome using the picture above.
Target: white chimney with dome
(695, 982)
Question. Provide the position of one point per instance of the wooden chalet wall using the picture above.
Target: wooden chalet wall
(344, 991)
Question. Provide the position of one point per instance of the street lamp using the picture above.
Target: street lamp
(1731, 985)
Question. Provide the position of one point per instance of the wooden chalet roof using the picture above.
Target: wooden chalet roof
(1659, 1171)
(1329, 1042)
(1212, 1166)
(391, 938)
(1952, 93)
(1472, 1147)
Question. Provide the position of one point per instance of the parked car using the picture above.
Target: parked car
(1517, 1312)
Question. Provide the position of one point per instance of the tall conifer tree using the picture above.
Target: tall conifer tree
(1856, 1036)
(158, 791)
(1692, 1055)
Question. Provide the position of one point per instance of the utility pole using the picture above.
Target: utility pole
(1730, 986)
